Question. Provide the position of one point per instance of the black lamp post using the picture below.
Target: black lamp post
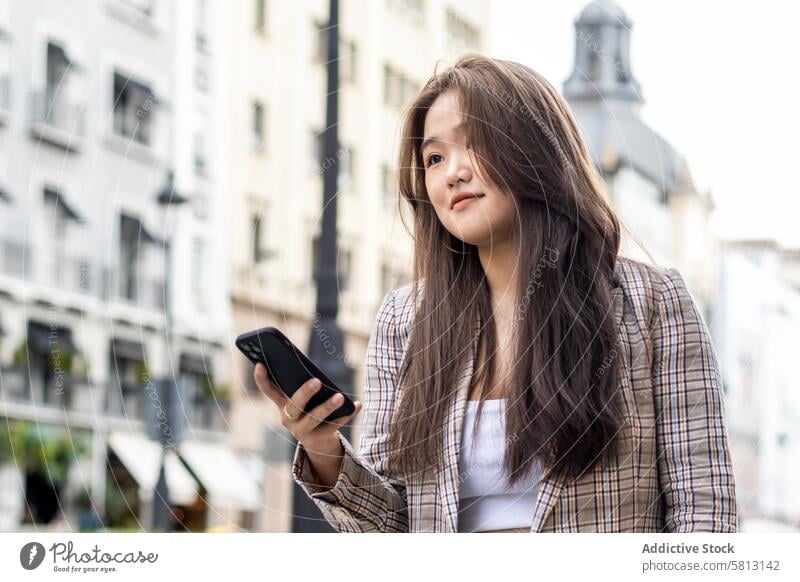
(305, 515)
(163, 423)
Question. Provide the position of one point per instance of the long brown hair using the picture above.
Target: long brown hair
(562, 398)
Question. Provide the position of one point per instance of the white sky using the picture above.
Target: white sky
(720, 82)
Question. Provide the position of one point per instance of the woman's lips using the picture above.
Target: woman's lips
(463, 203)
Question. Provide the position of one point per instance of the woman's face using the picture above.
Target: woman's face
(486, 217)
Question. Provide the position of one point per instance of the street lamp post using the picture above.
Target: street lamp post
(305, 516)
(163, 420)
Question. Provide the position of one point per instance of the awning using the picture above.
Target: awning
(142, 458)
(59, 55)
(140, 94)
(128, 350)
(133, 229)
(57, 199)
(226, 479)
(44, 340)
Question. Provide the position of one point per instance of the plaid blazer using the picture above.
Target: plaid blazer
(673, 472)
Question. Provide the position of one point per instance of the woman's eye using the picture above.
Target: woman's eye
(431, 157)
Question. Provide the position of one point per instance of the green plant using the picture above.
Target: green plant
(61, 359)
(215, 391)
(41, 449)
(20, 356)
(121, 506)
(12, 442)
(223, 392)
(142, 373)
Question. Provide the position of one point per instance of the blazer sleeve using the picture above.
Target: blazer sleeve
(694, 465)
(364, 498)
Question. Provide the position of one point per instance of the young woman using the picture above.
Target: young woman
(529, 379)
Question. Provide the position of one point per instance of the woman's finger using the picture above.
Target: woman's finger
(320, 412)
(297, 403)
(342, 421)
(317, 416)
(267, 387)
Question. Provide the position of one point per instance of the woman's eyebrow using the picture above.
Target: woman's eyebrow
(433, 139)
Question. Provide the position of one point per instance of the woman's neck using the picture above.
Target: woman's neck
(500, 265)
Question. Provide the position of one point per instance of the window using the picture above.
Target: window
(348, 51)
(321, 38)
(129, 377)
(199, 154)
(198, 257)
(387, 185)
(345, 176)
(348, 62)
(314, 256)
(200, 206)
(58, 65)
(343, 160)
(398, 88)
(317, 152)
(61, 267)
(411, 10)
(56, 215)
(133, 238)
(201, 27)
(460, 34)
(133, 105)
(261, 16)
(5, 73)
(257, 135)
(129, 257)
(255, 243)
(344, 268)
(55, 106)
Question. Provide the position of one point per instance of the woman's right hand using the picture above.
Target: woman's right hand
(309, 429)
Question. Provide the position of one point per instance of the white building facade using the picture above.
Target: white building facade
(100, 104)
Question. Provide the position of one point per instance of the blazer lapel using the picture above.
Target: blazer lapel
(447, 476)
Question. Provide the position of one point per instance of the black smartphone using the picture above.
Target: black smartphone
(289, 368)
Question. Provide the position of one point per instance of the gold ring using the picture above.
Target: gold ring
(289, 416)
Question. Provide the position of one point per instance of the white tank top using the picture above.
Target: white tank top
(486, 502)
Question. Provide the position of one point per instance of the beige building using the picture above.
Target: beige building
(388, 49)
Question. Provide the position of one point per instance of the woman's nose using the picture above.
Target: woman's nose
(459, 169)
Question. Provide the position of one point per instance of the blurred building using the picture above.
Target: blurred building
(648, 180)
(748, 291)
(757, 331)
(387, 49)
(99, 105)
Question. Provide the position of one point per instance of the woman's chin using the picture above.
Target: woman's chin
(476, 235)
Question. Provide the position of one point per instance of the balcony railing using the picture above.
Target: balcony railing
(57, 120)
(210, 414)
(14, 259)
(78, 274)
(135, 289)
(22, 385)
(126, 400)
(62, 392)
(5, 95)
